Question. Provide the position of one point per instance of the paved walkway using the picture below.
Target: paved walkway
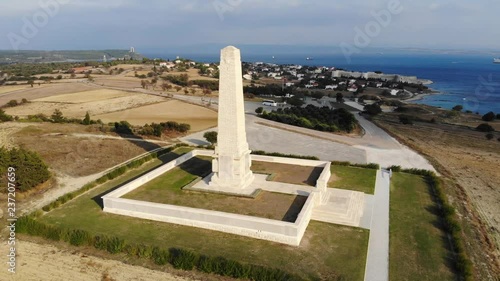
(377, 261)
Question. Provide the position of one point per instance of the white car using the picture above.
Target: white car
(269, 103)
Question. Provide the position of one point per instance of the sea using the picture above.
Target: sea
(470, 80)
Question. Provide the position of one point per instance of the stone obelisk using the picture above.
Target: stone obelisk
(231, 165)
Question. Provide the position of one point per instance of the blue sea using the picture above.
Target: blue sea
(470, 80)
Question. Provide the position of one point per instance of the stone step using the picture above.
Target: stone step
(348, 216)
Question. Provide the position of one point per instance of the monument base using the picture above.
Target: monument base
(232, 183)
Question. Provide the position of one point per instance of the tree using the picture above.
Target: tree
(340, 97)
(178, 88)
(211, 137)
(373, 109)
(144, 84)
(296, 101)
(457, 108)
(193, 91)
(259, 110)
(57, 116)
(485, 127)
(186, 91)
(490, 116)
(86, 120)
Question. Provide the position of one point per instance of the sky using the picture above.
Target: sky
(159, 25)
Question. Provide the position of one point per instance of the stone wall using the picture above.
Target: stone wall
(260, 228)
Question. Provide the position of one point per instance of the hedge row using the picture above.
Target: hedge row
(178, 258)
(109, 176)
(277, 154)
(373, 166)
(449, 224)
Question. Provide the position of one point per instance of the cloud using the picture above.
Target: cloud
(114, 23)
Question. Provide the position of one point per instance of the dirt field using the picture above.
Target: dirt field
(198, 117)
(289, 173)
(44, 90)
(83, 97)
(45, 262)
(8, 89)
(469, 163)
(78, 110)
(119, 82)
(76, 156)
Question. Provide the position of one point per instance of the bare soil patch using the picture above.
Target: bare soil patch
(289, 173)
(44, 90)
(200, 118)
(78, 110)
(88, 96)
(46, 262)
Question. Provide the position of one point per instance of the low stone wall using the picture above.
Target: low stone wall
(290, 161)
(260, 228)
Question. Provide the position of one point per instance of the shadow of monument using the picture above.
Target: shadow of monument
(313, 177)
(294, 210)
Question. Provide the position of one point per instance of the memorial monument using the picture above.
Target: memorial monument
(231, 164)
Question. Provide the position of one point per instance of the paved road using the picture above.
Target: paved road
(377, 261)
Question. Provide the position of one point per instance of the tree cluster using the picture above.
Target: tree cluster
(316, 118)
(30, 170)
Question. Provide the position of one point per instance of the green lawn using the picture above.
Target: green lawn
(326, 249)
(417, 246)
(353, 178)
(167, 189)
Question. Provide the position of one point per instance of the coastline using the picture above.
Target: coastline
(419, 97)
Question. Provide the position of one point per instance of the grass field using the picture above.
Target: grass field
(417, 246)
(353, 178)
(326, 249)
(167, 189)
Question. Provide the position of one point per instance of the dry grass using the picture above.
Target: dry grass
(77, 156)
(88, 96)
(200, 118)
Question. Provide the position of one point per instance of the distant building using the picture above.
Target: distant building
(132, 49)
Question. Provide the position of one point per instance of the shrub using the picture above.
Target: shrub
(485, 127)
(182, 259)
(373, 109)
(277, 154)
(79, 237)
(490, 116)
(406, 119)
(458, 108)
(259, 110)
(12, 103)
(211, 137)
(490, 136)
(5, 117)
(159, 256)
